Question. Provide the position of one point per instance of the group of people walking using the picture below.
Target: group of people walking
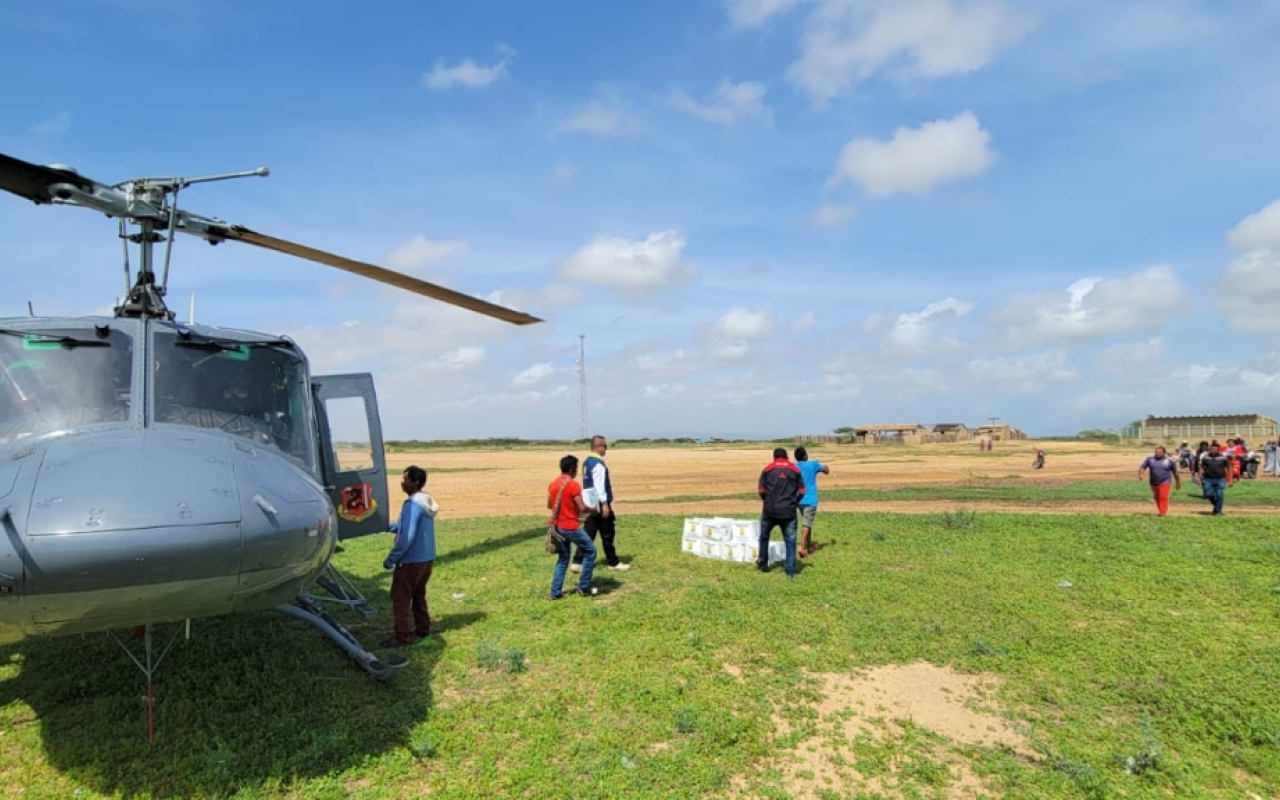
(1212, 467)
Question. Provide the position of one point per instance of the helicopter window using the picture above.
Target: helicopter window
(57, 380)
(257, 390)
(349, 421)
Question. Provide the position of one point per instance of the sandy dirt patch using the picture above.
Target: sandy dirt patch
(488, 483)
(877, 707)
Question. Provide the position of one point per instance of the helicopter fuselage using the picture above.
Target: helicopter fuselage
(154, 472)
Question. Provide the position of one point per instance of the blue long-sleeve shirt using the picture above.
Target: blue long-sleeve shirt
(415, 532)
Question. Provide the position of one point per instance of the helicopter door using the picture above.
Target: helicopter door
(351, 454)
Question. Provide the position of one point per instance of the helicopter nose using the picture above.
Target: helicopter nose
(130, 527)
(97, 486)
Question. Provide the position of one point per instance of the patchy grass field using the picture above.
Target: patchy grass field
(931, 655)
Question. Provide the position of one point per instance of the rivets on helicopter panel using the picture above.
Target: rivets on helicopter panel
(23, 453)
(95, 517)
(48, 503)
(184, 510)
(223, 492)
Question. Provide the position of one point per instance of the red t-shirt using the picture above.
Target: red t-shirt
(568, 516)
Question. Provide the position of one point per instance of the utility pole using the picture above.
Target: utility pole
(582, 386)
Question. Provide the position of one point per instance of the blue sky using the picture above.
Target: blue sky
(767, 216)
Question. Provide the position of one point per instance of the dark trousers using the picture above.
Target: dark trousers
(409, 600)
(605, 525)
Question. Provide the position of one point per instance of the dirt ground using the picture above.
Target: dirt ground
(486, 483)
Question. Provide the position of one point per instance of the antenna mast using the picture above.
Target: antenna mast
(582, 386)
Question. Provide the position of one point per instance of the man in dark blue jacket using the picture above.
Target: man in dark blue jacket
(412, 558)
(781, 487)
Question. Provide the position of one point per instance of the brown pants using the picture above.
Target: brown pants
(409, 600)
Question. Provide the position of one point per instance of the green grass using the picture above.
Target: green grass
(1141, 656)
(1260, 492)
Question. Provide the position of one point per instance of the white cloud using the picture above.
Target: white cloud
(732, 102)
(650, 263)
(1134, 359)
(848, 41)
(1249, 292)
(463, 357)
(749, 13)
(603, 116)
(805, 321)
(467, 73)
(1025, 373)
(58, 123)
(420, 252)
(564, 172)
(834, 215)
(913, 331)
(917, 160)
(744, 323)
(534, 374)
(1092, 308)
(1258, 231)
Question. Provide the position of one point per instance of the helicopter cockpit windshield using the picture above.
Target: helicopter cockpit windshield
(57, 380)
(254, 389)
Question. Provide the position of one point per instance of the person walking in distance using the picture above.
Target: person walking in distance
(597, 495)
(781, 487)
(1162, 472)
(564, 498)
(809, 500)
(1215, 476)
(412, 557)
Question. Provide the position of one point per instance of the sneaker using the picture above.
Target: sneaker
(619, 567)
(763, 566)
(393, 642)
(592, 592)
(575, 567)
(556, 596)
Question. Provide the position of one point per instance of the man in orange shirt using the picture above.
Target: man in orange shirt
(564, 498)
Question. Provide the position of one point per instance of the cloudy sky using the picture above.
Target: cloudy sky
(767, 216)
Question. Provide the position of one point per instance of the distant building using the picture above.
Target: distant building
(951, 432)
(998, 433)
(912, 433)
(1250, 427)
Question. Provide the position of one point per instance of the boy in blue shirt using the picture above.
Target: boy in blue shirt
(809, 500)
(412, 558)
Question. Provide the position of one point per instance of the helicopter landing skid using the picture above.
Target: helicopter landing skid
(308, 609)
(344, 592)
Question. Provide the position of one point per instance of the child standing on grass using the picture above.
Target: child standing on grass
(412, 558)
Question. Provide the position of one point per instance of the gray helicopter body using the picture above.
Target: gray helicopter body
(151, 472)
(155, 472)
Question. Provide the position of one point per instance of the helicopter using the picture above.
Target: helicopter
(158, 472)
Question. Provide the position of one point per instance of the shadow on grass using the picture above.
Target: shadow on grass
(254, 701)
(488, 545)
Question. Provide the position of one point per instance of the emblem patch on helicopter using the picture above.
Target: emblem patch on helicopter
(357, 503)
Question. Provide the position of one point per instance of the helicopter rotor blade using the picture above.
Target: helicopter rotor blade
(33, 181)
(380, 274)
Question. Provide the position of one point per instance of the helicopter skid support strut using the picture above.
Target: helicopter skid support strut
(307, 608)
(149, 668)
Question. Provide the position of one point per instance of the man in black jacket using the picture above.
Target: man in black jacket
(781, 487)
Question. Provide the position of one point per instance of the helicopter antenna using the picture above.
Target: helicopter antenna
(31, 310)
(191, 315)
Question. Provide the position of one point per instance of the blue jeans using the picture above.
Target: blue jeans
(788, 526)
(1214, 488)
(573, 537)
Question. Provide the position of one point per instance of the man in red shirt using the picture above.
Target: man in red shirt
(781, 487)
(564, 498)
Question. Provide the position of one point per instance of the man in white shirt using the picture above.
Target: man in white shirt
(597, 494)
